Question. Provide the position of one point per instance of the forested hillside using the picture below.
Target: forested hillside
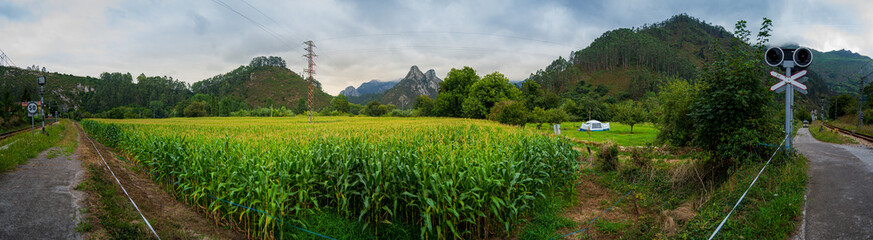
(263, 83)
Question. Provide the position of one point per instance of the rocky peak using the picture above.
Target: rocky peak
(415, 73)
(350, 92)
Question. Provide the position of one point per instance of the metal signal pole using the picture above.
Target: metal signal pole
(309, 57)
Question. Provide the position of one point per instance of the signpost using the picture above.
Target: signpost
(787, 59)
(32, 108)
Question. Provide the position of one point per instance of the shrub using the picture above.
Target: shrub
(607, 157)
(509, 112)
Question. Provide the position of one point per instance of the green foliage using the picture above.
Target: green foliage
(534, 96)
(424, 105)
(340, 103)
(555, 116)
(630, 113)
(375, 109)
(195, 109)
(509, 112)
(676, 102)
(493, 88)
(453, 92)
(842, 105)
(271, 61)
(732, 112)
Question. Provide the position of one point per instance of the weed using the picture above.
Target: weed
(607, 157)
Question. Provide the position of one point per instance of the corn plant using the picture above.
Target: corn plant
(453, 178)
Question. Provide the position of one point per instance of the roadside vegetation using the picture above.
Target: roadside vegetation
(828, 135)
(16, 150)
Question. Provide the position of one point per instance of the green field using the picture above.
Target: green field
(620, 134)
(350, 177)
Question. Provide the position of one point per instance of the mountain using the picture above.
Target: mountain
(415, 84)
(631, 62)
(263, 86)
(841, 69)
(372, 87)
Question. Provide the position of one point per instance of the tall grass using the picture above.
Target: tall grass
(452, 178)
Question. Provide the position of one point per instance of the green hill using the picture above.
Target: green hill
(632, 62)
(263, 86)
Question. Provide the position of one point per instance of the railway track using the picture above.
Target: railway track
(12, 133)
(865, 137)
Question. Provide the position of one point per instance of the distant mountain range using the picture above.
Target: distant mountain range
(402, 93)
(372, 87)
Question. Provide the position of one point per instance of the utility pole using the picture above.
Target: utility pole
(861, 100)
(41, 82)
(309, 57)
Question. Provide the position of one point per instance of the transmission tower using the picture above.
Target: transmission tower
(309, 57)
(5, 60)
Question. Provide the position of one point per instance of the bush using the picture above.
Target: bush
(607, 157)
(401, 113)
(509, 112)
(195, 109)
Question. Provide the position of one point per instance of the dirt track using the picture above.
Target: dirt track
(170, 218)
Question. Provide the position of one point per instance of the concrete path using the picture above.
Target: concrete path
(840, 194)
(37, 200)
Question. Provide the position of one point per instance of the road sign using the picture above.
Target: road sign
(32, 108)
(793, 80)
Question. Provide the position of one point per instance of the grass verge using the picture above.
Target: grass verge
(826, 135)
(24, 146)
(769, 211)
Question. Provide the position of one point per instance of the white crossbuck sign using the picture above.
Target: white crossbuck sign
(793, 80)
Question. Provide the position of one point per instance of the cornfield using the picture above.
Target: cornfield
(453, 178)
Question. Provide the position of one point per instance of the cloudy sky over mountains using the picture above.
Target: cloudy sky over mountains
(362, 40)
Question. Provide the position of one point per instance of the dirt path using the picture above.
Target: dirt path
(38, 200)
(840, 196)
(170, 218)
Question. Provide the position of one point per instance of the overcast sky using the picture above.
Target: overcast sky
(358, 41)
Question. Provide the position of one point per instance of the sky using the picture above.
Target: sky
(357, 41)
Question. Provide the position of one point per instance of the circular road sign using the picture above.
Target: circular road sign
(32, 107)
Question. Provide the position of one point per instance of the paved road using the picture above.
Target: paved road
(840, 199)
(37, 200)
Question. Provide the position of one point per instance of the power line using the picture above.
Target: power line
(449, 33)
(274, 34)
(5, 60)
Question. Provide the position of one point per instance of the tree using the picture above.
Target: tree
(732, 112)
(157, 109)
(375, 109)
(195, 109)
(301, 106)
(509, 112)
(630, 113)
(493, 88)
(340, 103)
(556, 116)
(676, 101)
(453, 92)
(424, 105)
